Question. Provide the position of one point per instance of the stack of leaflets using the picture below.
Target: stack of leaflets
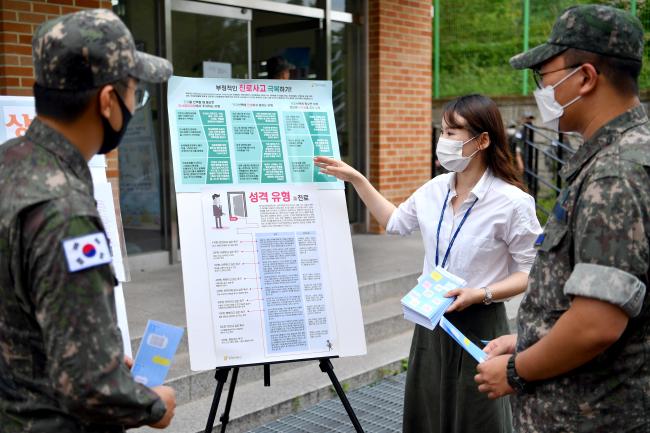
(425, 303)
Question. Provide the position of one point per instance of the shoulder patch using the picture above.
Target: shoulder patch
(86, 251)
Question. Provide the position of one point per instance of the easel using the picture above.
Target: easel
(221, 375)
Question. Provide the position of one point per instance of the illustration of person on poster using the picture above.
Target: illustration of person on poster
(217, 210)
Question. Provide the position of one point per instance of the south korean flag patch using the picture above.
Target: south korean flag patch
(86, 251)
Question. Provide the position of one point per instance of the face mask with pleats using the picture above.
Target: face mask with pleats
(549, 109)
(450, 154)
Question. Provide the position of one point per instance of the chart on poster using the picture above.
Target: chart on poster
(234, 131)
(268, 269)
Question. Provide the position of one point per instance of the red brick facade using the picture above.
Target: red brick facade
(18, 22)
(400, 53)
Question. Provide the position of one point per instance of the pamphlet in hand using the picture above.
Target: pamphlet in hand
(464, 342)
(157, 349)
(425, 303)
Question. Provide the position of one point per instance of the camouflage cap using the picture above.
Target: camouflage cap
(88, 49)
(600, 29)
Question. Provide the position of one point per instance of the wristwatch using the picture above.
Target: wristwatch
(487, 300)
(520, 385)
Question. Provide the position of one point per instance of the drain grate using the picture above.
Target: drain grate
(378, 407)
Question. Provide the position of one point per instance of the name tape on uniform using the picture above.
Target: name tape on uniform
(86, 251)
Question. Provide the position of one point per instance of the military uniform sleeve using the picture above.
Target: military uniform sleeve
(610, 244)
(76, 313)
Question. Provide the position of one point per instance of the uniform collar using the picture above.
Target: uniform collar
(606, 135)
(479, 190)
(43, 135)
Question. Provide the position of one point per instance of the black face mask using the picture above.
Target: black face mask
(112, 137)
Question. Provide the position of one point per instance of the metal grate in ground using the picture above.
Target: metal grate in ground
(378, 407)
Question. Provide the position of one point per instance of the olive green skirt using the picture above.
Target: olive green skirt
(441, 395)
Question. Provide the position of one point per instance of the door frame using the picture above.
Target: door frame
(213, 10)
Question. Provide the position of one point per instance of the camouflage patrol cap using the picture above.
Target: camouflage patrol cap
(88, 49)
(600, 29)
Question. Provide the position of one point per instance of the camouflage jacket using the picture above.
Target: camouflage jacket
(596, 245)
(61, 356)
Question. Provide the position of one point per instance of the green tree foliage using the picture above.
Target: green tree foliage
(478, 37)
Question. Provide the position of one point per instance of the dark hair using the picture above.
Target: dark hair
(622, 74)
(276, 65)
(62, 105)
(482, 115)
(67, 105)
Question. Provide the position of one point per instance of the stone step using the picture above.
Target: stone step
(382, 320)
(294, 389)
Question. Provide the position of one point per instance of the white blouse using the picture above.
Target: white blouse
(496, 240)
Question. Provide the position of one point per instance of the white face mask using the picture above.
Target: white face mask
(549, 109)
(450, 154)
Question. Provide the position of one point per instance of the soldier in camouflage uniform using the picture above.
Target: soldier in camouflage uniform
(62, 366)
(580, 361)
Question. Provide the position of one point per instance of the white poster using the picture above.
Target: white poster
(268, 288)
(106, 209)
(268, 268)
(217, 70)
(17, 114)
(139, 174)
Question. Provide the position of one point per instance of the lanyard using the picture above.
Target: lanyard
(453, 238)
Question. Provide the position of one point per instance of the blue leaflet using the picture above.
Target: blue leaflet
(157, 349)
(464, 342)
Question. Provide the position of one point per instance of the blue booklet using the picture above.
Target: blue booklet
(464, 342)
(156, 352)
(425, 303)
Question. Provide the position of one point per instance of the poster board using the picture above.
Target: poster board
(17, 114)
(268, 268)
(140, 174)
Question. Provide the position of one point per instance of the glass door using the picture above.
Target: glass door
(210, 41)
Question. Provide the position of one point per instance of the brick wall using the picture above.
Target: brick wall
(18, 22)
(400, 54)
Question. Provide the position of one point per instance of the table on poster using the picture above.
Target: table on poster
(268, 269)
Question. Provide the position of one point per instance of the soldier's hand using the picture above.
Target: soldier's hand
(501, 346)
(168, 396)
(492, 379)
(128, 361)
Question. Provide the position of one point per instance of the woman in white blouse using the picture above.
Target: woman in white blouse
(479, 223)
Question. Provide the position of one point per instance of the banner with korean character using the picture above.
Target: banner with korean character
(17, 114)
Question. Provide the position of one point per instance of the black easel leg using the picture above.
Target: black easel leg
(326, 367)
(221, 374)
(231, 391)
(267, 374)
